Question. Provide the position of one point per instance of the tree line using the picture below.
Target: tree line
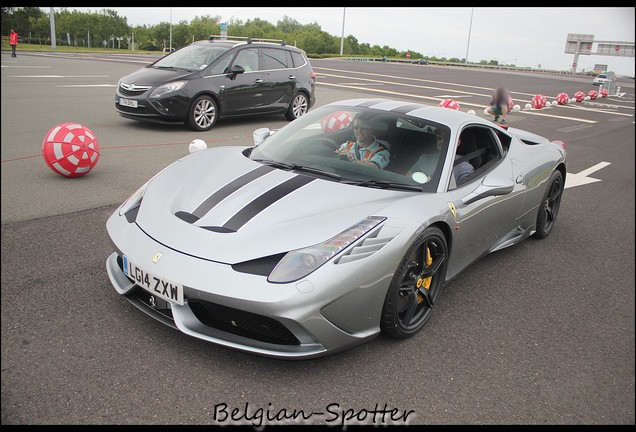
(105, 28)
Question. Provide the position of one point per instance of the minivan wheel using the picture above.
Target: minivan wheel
(298, 106)
(203, 114)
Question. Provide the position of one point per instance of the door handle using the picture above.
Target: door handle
(258, 81)
(291, 77)
(519, 179)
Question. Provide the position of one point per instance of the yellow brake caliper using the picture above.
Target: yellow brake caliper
(425, 282)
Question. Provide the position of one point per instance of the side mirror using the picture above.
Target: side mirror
(261, 135)
(236, 70)
(489, 187)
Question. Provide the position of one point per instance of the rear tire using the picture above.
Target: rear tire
(203, 114)
(298, 107)
(549, 207)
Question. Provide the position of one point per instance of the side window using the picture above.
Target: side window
(477, 152)
(274, 58)
(504, 140)
(221, 66)
(299, 59)
(248, 58)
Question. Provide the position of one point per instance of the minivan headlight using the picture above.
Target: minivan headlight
(167, 88)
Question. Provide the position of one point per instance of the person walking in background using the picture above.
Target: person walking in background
(499, 104)
(13, 41)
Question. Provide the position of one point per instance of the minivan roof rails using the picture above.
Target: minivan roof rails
(248, 39)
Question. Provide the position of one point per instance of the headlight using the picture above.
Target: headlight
(301, 262)
(134, 201)
(167, 88)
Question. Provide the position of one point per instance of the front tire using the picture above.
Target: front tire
(298, 107)
(549, 207)
(416, 286)
(203, 114)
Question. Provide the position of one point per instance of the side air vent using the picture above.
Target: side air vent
(365, 249)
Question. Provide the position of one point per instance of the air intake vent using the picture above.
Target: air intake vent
(367, 248)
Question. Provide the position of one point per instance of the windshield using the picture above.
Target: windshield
(191, 57)
(360, 146)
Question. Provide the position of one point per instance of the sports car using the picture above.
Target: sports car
(290, 248)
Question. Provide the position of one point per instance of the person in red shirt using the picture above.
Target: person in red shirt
(13, 41)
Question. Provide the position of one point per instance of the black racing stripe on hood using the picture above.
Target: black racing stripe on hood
(229, 189)
(262, 202)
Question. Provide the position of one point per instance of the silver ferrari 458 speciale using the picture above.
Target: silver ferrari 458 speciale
(345, 223)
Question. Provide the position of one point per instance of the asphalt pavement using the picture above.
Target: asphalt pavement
(539, 333)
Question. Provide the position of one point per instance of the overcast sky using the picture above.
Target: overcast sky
(524, 36)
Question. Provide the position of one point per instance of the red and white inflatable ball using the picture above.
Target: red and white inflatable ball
(449, 103)
(511, 104)
(538, 101)
(604, 92)
(336, 120)
(70, 149)
(562, 98)
(579, 96)
(593, 94)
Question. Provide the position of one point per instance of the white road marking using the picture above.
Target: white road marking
(88, 85)
(60, 76)
(28, 67)
(573, 128)
(450, 85)
(439, 100)
(582, 178)
(359, 84)
(452, 96)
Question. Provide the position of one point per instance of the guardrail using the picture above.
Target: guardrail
(468, 65)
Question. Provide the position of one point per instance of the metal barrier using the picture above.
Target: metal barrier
(467, 65)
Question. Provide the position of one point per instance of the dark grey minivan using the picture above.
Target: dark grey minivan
(220, 77)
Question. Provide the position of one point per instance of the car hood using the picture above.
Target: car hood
(218, 204)
(149, 76)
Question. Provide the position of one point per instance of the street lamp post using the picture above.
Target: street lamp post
(170, 29)
(342, 38)
(52, 23)
(469, 30)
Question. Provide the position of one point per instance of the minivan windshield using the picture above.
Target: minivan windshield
(191, 57)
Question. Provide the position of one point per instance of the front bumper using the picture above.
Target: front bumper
(163, 110)
(331, 310)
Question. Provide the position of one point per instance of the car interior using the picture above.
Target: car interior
(478, 147)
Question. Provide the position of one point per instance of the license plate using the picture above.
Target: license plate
(160, 287)
(128, 102)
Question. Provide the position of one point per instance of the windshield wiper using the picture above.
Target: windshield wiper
(174, 68)
(298, 167)
(383, 184)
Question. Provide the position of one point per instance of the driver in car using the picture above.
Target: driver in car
(365, 149)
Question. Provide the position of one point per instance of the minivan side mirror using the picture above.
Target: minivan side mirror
(235, 70)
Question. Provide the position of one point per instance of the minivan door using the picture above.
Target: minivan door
(279, 79)
(245, 93)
